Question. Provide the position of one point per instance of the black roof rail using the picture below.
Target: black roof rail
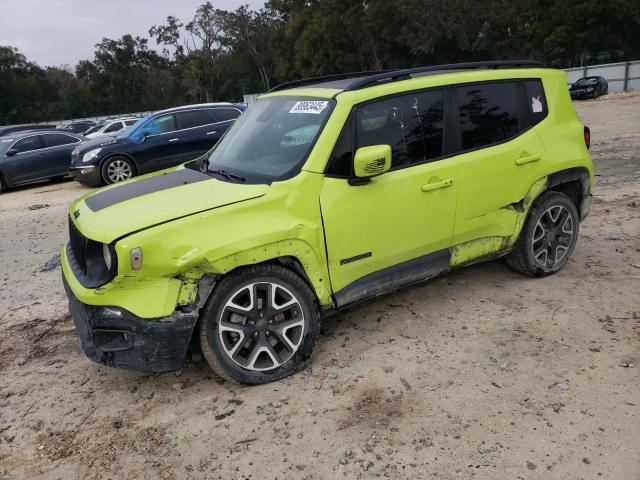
(369, 78)
(396, 75)
(326, 78)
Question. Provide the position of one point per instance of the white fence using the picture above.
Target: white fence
(622, 76)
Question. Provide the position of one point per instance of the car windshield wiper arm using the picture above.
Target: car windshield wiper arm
(228, 175)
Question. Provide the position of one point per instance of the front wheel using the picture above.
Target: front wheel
(548, 238)
(117, 169)
(260, 325)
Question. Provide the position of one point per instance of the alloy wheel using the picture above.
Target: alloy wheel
(552, 236)
(119, 170)
(261, 326)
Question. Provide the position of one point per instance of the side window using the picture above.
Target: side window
(162, 124)
(27, 144)
(114, 127)
(536, 101)
(56, 139)
(412, 124)
(342, 156)
(128, 123)
(224, 114)
(191, 119)
(488, 113)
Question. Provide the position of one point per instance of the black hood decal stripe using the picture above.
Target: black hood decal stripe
(139, 188)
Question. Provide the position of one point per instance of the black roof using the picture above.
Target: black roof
(358, 80)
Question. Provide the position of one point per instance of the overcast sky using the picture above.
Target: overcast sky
(57, 32)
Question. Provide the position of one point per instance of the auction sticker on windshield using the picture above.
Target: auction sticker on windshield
(309, 106)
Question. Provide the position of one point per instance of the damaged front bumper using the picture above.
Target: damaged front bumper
(117, 338)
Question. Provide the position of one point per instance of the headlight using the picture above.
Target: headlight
(106, 254)
(90, 155)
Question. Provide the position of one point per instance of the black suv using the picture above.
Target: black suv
(159, 141)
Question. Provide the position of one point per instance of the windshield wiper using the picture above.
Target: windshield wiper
(227, 175)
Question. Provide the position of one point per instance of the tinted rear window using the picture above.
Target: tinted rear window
(224, 114)
(489, 113)
(191, 119)
(55, 139)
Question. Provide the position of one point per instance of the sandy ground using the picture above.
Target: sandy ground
(479, 374)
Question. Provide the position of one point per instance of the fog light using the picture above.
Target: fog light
(136, 258)
(110, 312)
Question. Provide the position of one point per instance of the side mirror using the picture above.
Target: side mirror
(372, 161)
(11, 152)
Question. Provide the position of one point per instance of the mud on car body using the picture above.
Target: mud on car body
(324, 193)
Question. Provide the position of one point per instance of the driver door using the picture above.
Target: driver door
(161, 147)
(396, 228)
(27, 163)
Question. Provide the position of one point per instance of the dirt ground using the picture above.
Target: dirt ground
(479, 374)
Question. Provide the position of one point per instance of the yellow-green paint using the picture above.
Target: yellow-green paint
(473, 203)
(371, 161)
(145, 297)
(469, 251)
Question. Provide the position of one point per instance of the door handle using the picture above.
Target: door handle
(428, 187)
(211, 133)
(173, 140)
(528, 159)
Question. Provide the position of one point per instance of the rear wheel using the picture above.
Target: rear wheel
(117, 169)
(260, 325)
(548, 238)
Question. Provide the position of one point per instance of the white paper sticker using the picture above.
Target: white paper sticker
(536, 105)
(309, 106)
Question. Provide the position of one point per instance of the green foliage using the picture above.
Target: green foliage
(220, 54)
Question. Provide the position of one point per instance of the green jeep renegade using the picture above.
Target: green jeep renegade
(326, 192)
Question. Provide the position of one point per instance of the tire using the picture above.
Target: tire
(117, 169)
(542, 234)
(250, 344)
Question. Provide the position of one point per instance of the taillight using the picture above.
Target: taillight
(587, 137)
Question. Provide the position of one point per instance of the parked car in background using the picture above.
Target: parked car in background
(589, 87)
(10, 129)
(164, 139)
(32, 156)
(79, 127)
(111, 128)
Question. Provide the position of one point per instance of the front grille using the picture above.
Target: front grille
(86, 259)
(78, 243)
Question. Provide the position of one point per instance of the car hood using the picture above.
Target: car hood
(118, 210)
(99, 142)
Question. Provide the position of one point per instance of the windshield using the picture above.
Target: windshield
(271, 139)
(583, 82)
(128, 132)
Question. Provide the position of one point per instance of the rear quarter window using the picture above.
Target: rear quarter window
(536, 101)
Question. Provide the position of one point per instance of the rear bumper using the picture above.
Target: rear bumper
(116, 338)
